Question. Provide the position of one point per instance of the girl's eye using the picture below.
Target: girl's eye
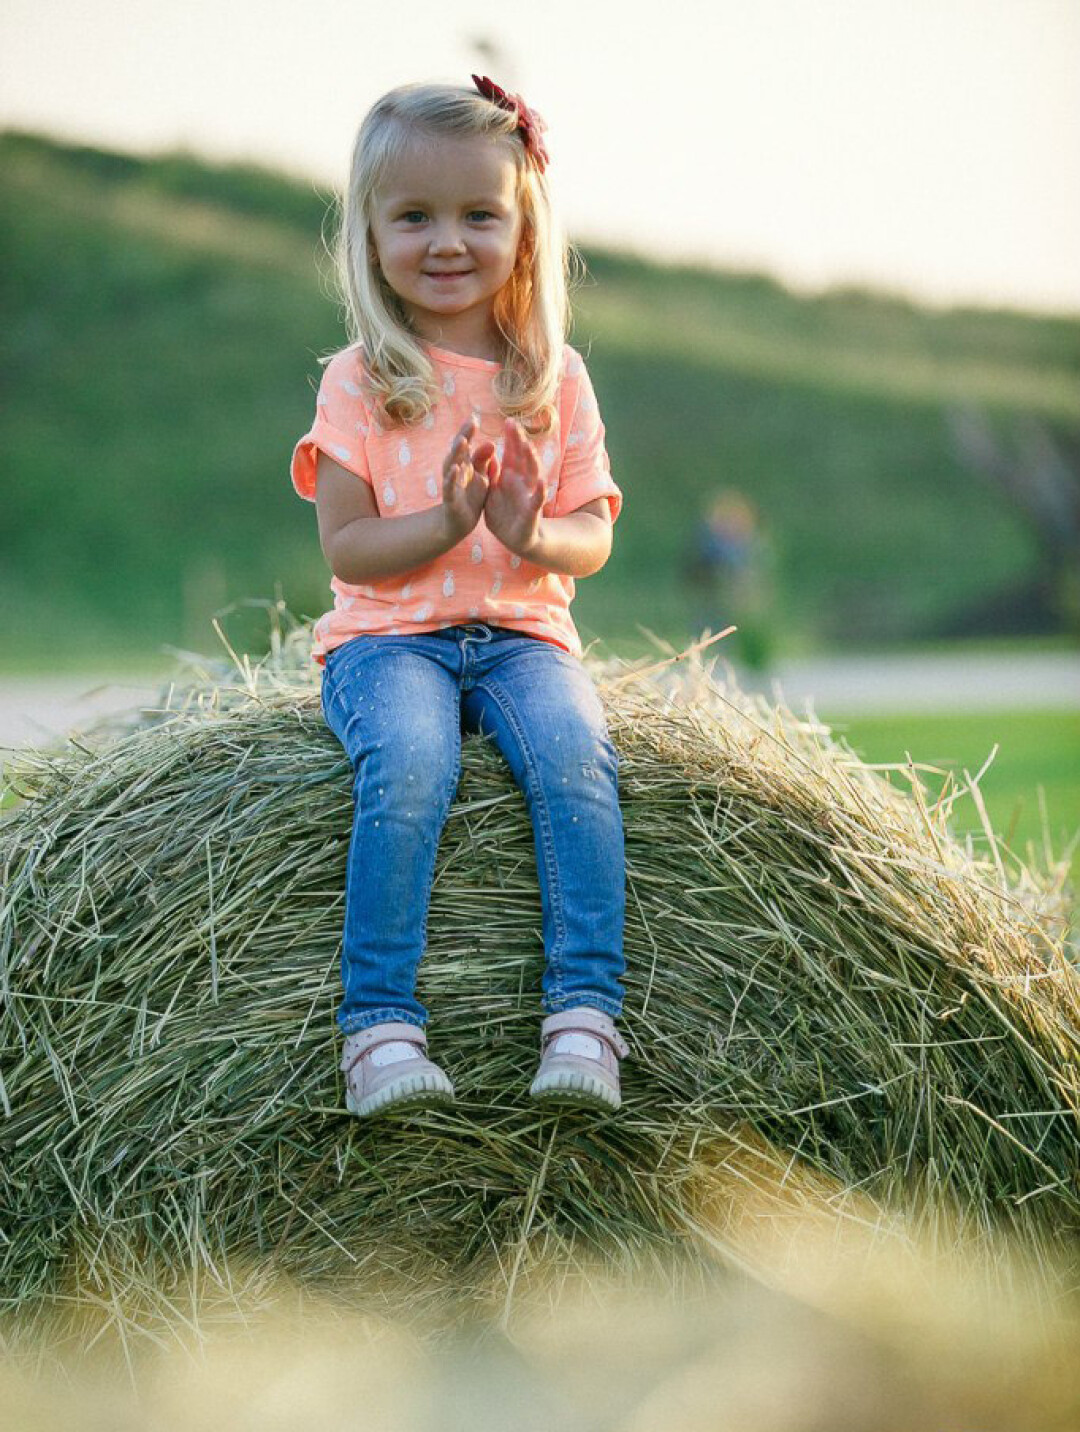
(413, 214)
(481, 214)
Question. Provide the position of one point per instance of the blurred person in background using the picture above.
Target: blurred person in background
(728, 575)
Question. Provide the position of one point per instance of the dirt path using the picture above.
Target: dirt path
(37, 712)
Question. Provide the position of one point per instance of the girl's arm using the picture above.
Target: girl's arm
(361, 546)
(575, 545)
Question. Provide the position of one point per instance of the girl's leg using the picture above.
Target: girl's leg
(393, 704)
(542, 709)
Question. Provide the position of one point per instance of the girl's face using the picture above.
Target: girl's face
(446, 225)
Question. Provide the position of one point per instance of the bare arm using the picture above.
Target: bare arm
(362, 546)
(575, 545)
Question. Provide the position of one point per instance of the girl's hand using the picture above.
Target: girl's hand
(515, 494)
(465, 482)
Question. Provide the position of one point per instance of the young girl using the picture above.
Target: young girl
(458, 469)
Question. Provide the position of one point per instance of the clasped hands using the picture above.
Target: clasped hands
(510, 495)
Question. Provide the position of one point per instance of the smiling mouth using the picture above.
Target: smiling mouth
(454, 273)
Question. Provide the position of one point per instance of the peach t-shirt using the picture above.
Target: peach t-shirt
(479, 580)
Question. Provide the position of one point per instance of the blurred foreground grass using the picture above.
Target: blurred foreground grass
(842, 1327)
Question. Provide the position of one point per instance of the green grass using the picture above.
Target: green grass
(1039, 752)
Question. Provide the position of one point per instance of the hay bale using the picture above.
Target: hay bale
(819, 978)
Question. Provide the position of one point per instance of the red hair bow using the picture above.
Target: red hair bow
(530, 124)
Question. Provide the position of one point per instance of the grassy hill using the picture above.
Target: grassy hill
(162, 320)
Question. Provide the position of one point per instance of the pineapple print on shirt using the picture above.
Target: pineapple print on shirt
(478, 579)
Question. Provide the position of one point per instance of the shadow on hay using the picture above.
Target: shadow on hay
(823, 987)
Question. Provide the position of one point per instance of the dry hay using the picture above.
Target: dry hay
(859, 1335)
(828, 996)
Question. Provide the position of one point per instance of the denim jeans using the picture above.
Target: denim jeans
(399, 705)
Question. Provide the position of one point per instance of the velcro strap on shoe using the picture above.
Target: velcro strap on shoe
(365, 1040)
(584, 1020)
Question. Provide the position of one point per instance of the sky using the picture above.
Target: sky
(928, 147)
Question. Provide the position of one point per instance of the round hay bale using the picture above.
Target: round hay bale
(820, 979)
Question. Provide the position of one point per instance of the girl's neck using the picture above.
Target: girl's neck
(468, 341)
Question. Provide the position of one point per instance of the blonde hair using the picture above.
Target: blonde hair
(531, 310)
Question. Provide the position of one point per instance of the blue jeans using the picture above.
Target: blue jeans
(398, 705)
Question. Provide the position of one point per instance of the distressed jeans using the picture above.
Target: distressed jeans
(399, 705)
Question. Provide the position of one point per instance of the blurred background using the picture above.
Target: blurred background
(832, 314)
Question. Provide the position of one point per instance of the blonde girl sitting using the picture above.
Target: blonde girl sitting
(457, 464)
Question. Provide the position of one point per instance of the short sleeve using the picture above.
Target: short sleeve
(586, 472)
(340, 427)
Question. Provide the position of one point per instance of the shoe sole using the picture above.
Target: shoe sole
(575, 1090)
(415, 1092)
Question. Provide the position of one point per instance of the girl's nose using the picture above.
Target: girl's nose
(446, 239)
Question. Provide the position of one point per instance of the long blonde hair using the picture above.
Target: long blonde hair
(531, 310)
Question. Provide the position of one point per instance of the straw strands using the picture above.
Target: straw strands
(826, 993)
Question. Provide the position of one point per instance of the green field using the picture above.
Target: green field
(163, 321)
(1031, 788)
